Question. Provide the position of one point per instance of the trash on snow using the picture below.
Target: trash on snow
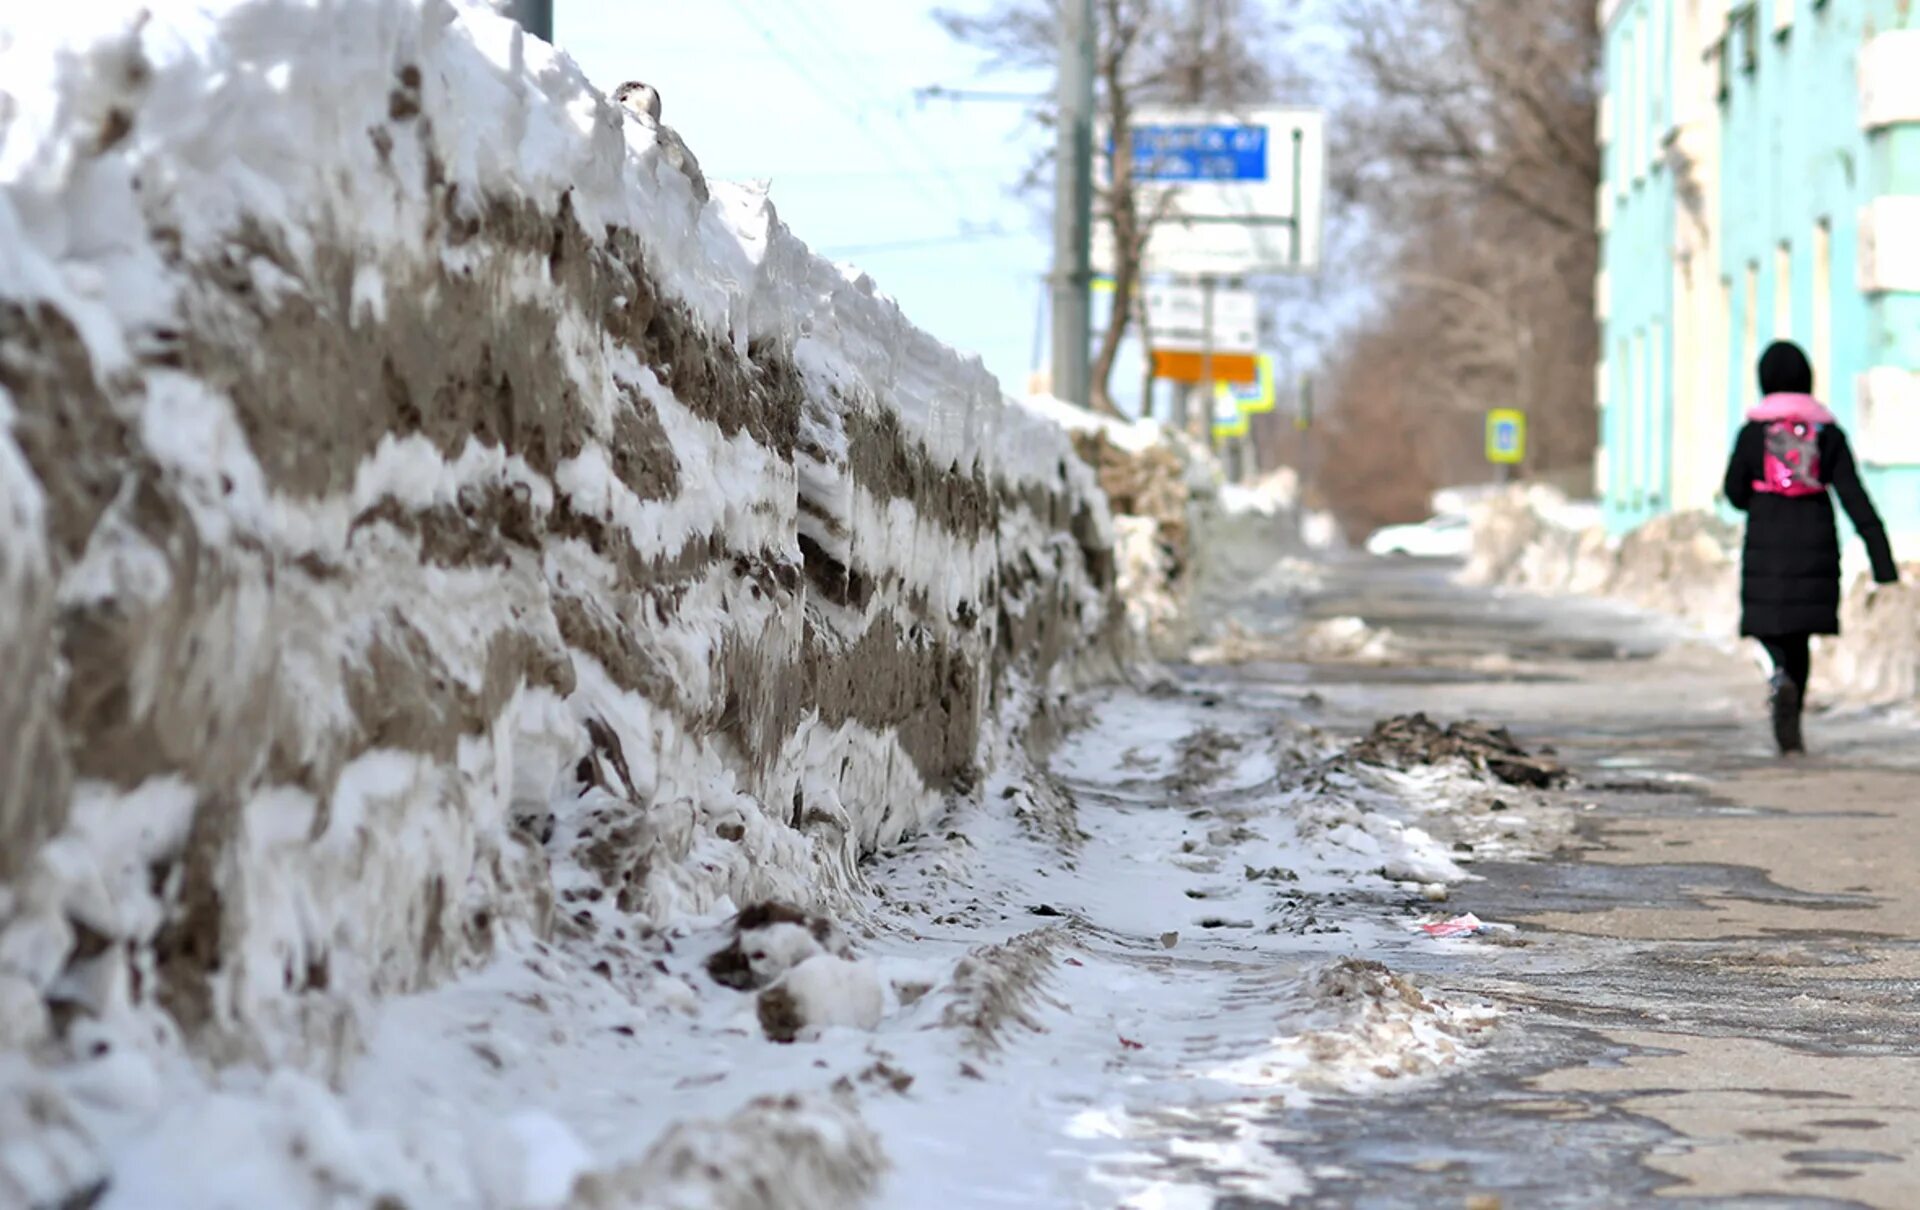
(1468, 925)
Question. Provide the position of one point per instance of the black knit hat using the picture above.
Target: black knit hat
(1784, 370)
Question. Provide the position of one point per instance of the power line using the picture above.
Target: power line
(940, 92)
(831, 50)
(827, 94)
(912, 245)
(873, 174)
(836, 48)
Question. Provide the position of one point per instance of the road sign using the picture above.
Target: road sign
(1506, 437)
(1252, 398)
(1192, 368)
(1228, 419)
(1201, 152)
(1236, 194)
(1177, 326)
(1177, 318)
(1236, 404)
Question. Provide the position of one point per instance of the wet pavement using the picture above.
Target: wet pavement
(1716, 995)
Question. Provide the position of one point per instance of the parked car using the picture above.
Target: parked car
(1443, 537)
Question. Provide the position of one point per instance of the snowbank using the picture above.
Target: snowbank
(1185, 537)
(1688, 565)
(1251, 529)
(423, 511)
(1163, 490)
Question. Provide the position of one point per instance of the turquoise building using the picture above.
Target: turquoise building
(1762, 181)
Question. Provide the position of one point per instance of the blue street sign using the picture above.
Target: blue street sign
(1200, 153)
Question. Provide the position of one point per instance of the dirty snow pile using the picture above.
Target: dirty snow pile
(1111, 975)
(1337, 640)
(1189, 545)
(442, 533)
(1688, 565)
(1183, 922)
(1258, 541)
(1164, 491)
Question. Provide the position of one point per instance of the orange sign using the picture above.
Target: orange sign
(1182, 366)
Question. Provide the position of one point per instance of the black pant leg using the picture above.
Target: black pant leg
(1792, 655)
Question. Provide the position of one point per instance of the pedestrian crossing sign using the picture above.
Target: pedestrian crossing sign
(1506, 437)
(1236, 403)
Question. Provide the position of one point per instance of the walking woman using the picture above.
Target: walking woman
(1786, 457)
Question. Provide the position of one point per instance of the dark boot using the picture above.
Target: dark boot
(1786, 704)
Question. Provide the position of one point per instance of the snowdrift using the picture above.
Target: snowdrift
(1162, 489)
(1688, 565)
(405, 474)
(1186, 539)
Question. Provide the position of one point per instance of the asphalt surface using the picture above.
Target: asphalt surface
(1716, 998)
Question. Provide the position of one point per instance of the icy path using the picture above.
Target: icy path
(1090, 991)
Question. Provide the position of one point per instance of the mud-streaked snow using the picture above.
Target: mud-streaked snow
(1097, 988)
(1102, 976)
(345, 766)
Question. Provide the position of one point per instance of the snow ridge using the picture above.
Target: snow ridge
(428, 523)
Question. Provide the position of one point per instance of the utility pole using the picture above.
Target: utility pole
(534, 16)
(1073, 208)
(1209, 386)
(1148, 377)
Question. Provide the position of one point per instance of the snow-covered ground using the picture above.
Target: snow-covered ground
(1092, 989)
(438, 524)
(459, 767)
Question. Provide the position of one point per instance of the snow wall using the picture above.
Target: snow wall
(407, 474)
(1688, 565)
(1186, 541)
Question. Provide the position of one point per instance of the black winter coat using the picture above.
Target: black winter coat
(1790, 568)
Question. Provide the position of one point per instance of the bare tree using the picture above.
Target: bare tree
(1188, 52)
(1471, 144)
(1372, 466)
(1486, 98)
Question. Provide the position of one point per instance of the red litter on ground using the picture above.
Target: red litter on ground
(1468, 925)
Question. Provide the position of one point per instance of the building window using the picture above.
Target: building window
(1658, 76)
(1783, 291)
(1637, 420)
(1746, 27)
(1620, 119)
(1657, 424)
(1623, 413)
(1648, 102)
(1822, 351)
(1630, 138)
(1750, 336)
(1723, 341)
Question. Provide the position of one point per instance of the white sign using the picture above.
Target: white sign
(1229, 195)
(1176, 319)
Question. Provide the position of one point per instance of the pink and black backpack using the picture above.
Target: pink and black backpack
(1790, 464)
